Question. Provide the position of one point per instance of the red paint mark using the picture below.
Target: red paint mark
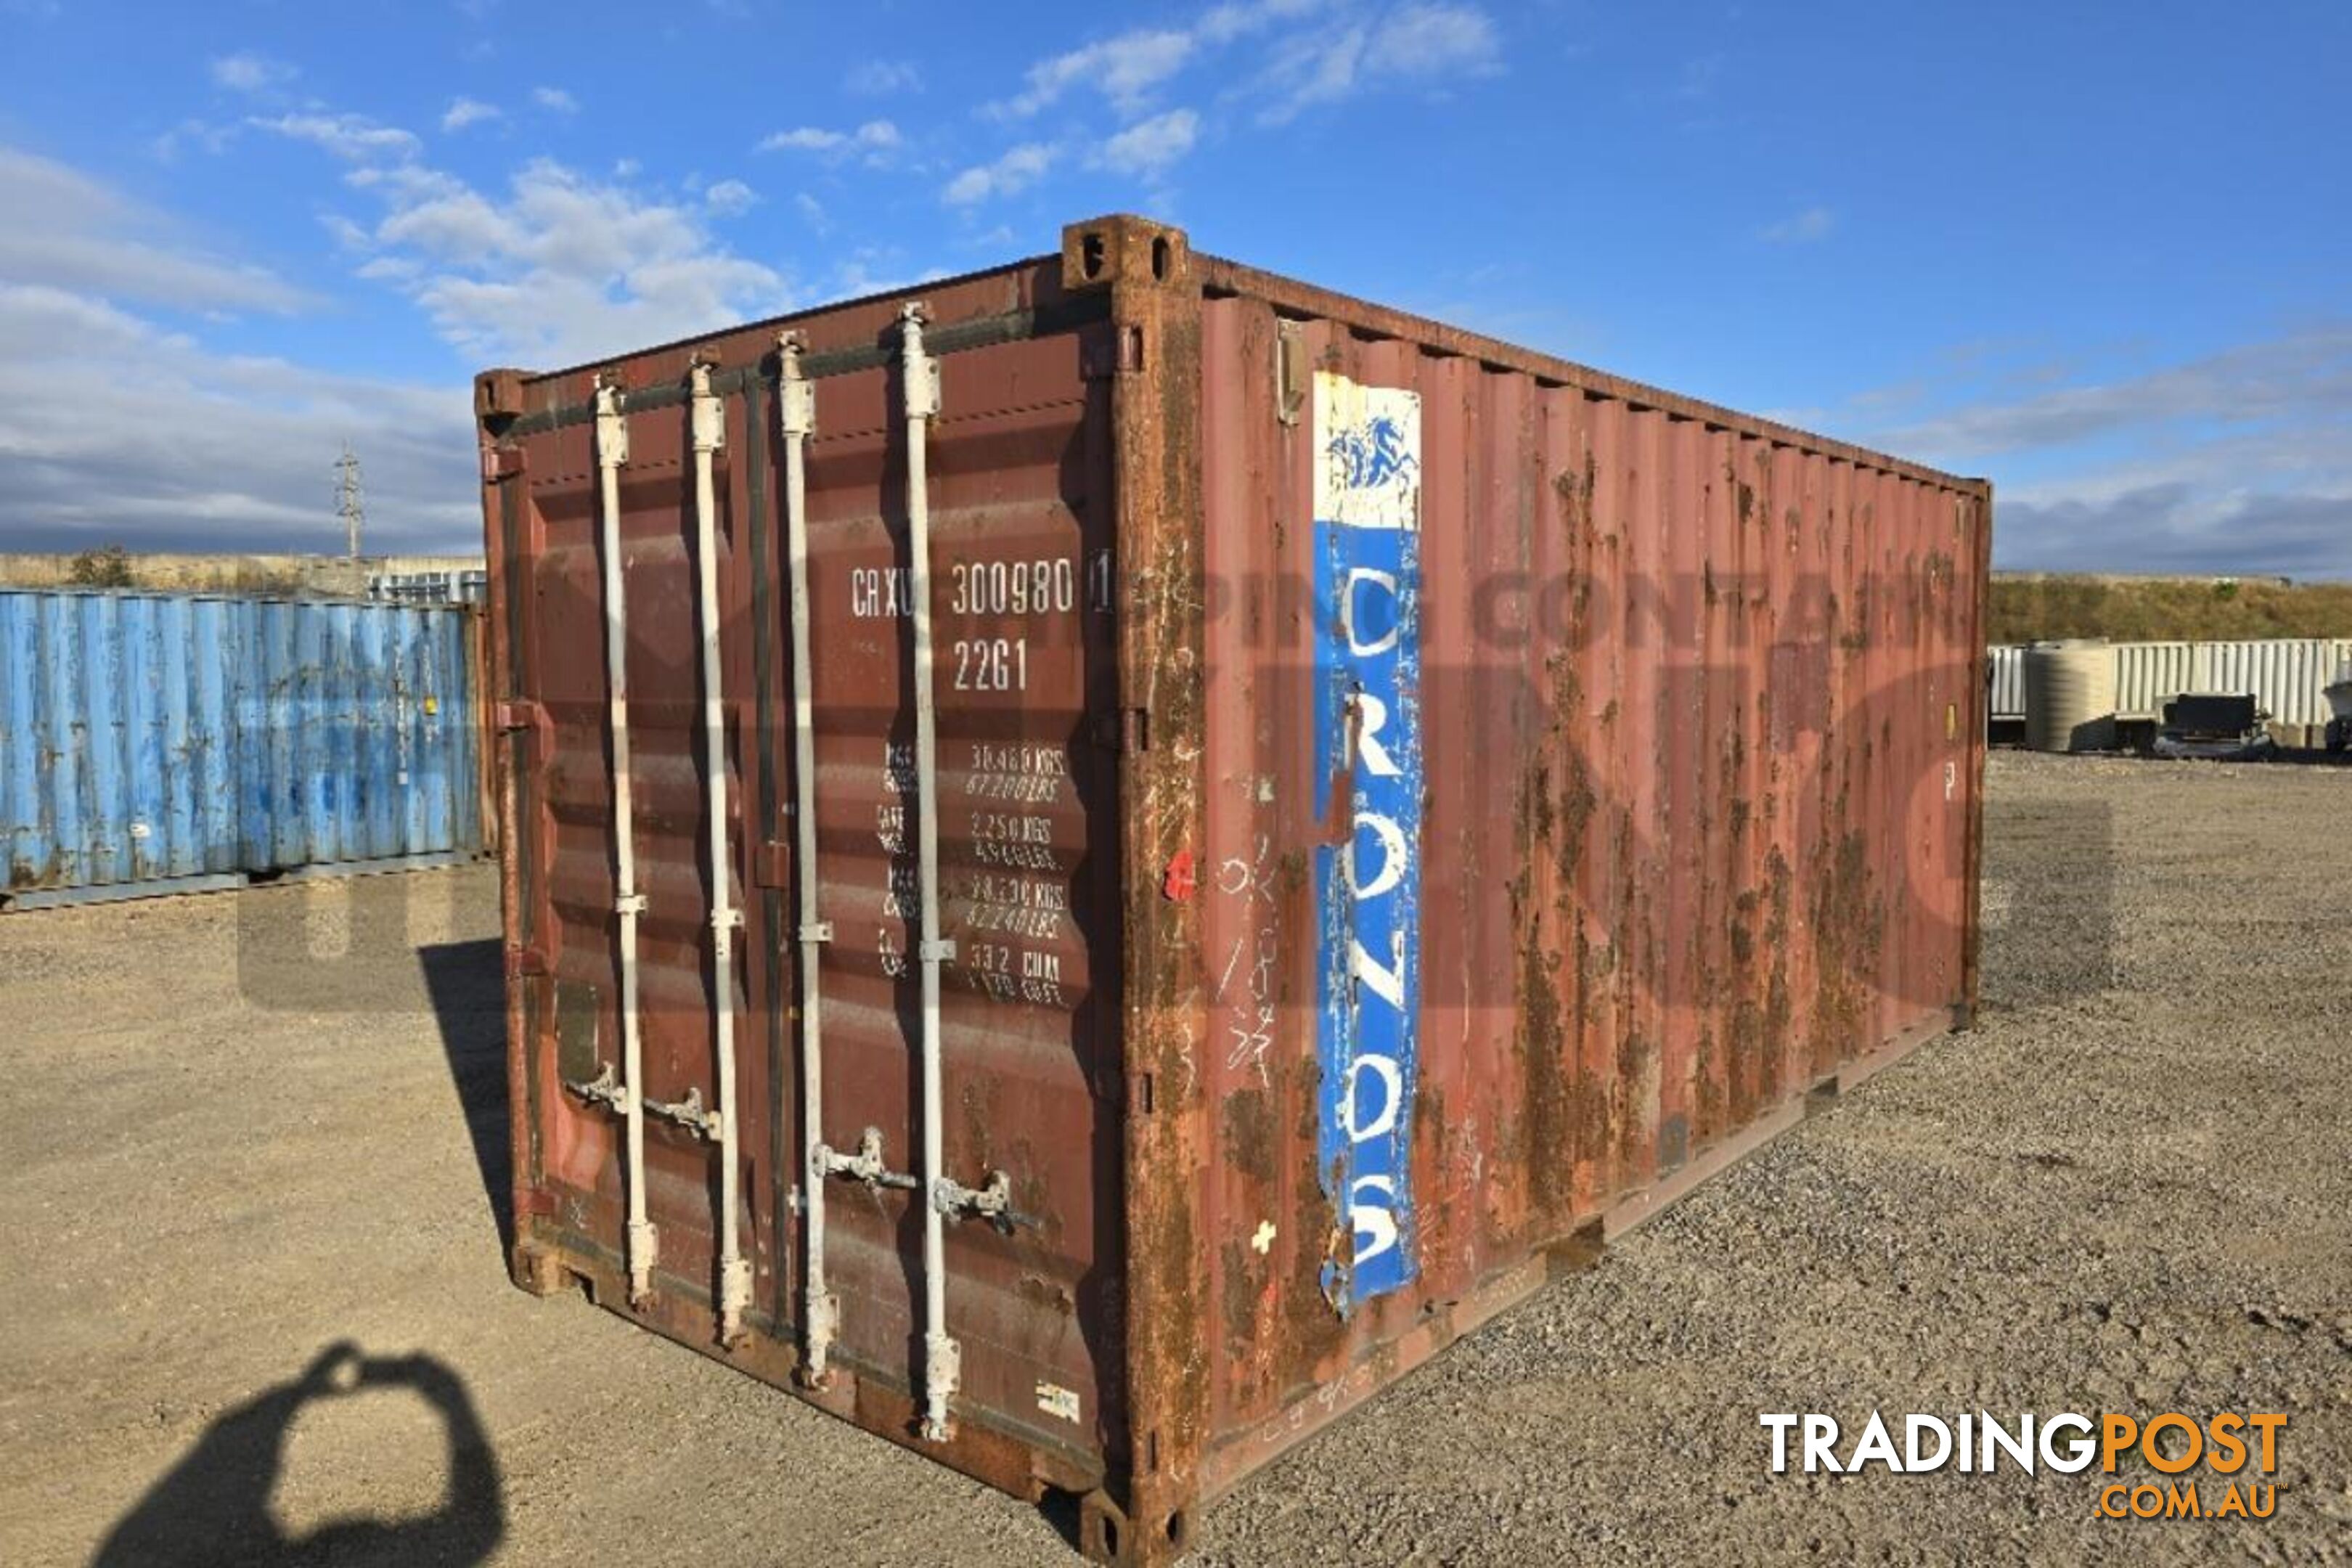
(1177, 884)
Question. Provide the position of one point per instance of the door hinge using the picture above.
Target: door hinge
(521, 716)
(1123, 730)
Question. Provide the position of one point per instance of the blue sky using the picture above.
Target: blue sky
(2098, 253)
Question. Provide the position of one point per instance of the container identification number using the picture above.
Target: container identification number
(1013, 587)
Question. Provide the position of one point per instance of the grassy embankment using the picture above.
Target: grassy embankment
(2025, 609)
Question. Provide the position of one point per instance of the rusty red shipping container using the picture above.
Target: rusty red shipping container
(1251, 831)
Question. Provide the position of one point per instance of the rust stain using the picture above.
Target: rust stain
(1249, 1133)
(1550, 1145)
(1050, 1295)
(1664, 839)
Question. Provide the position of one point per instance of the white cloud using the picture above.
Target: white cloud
(115, 429)
(806, 139)
(2174, 527)
(352, 137)
(458, 226)
(246, 71)
(1014, 172)
(1799, 228)
(1315, 52)
(1413, 45)
(563, 267)
(877, 139)
(114, 426)
(1224, 23)
(1433, 40)
(203, 135)
(409, 180)
(559, 268)
(1318, 51)
(812, 213)
(466, 111)
(348, 235)
(878, 78)
(1151, 146)
(555, 99)
(730, 198)
(1308, 70)
(2305, 375)
(1124, 70)
(2237, 462)
(92, 240)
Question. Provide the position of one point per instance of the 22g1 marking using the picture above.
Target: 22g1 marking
(991, 664)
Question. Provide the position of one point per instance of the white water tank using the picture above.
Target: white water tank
(2070, 696)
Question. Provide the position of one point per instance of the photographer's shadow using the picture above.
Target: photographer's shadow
(213, 1507)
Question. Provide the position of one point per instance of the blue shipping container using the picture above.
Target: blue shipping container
(167, 743)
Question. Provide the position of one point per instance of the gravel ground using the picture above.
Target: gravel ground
(257, 1312)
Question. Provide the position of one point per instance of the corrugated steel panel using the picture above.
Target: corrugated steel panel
(1460, 800)
(2151, 674)
(148, 740)
(2005, 664)
(1698, 710)
(443, 587)
(2287, 676)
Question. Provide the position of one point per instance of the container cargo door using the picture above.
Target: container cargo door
(826, 970)
(1024, 787)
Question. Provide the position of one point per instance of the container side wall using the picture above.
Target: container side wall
(1700, 712)
(174, 762)
(69, 754)
(213, 737)
(2006, 665)
(2288, 676)
(2151, 674)
(24, 741)
(148, 739)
